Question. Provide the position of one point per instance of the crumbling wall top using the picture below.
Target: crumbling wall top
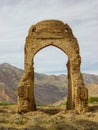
(50, 25)
(48, 28)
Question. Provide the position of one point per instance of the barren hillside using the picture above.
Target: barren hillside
(48, 88)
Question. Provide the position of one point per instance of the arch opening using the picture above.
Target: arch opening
(51, 77)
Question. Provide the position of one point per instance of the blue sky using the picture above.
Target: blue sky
(16, 17)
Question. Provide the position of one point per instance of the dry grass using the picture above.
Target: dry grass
(48, 118)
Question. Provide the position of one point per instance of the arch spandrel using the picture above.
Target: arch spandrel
(58, 34)
(70, 48)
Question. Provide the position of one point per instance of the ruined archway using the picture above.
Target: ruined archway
(58, 34)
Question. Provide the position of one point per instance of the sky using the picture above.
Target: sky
(16, 17)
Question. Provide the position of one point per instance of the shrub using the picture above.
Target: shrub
(93, 99)
(6, 103)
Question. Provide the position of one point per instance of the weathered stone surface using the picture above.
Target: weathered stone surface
(58, 34)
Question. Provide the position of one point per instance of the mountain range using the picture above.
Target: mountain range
(48, 88)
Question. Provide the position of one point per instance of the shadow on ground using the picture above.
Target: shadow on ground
(87, 125)
(51, 111)
(93, 108)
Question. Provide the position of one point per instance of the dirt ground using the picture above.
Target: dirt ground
(48, 118)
